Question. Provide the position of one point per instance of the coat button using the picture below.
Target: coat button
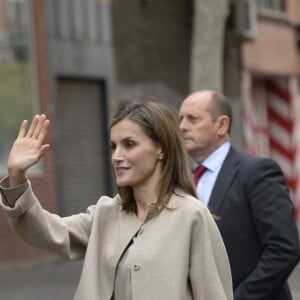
(136, 266)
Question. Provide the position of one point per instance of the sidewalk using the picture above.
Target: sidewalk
(294, 282)
(47, 281)
(58, 280)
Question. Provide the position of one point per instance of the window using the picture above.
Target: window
(16, 72)
(278, 5)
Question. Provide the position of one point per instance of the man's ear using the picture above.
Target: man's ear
(223, 124)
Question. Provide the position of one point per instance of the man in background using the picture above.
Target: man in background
(249, 197)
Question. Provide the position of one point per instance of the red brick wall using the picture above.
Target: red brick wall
(293, 9)
(274, 49)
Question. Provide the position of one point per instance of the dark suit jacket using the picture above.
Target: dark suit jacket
(255, 212)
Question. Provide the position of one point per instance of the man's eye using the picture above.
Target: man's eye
(112, 146)
(193, 119)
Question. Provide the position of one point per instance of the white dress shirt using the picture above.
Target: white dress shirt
(213, 163)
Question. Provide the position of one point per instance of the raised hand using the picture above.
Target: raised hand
(27, 149)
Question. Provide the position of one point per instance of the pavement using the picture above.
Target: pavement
(40, 281)
(58, 280)
(294, 282)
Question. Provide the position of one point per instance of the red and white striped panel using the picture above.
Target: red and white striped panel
(256, 117)
(281, 125)
(270, 124)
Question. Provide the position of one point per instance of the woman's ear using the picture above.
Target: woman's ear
(161, 156)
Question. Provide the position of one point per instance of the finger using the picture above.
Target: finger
(43, 150)
(39, 126)
(22, 129)
(33, 126)
(44, 130)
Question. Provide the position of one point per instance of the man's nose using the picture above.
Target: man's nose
(182, 124)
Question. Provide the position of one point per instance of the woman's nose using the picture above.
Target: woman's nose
(116, 154)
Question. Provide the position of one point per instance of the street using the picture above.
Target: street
(58, 280)
(294, 283)
(44, 281)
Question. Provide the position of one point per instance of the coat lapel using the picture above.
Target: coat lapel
(224, 179)
(128, 226)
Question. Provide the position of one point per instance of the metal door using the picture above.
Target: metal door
(82, 156)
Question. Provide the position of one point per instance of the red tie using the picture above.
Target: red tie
(198, 173)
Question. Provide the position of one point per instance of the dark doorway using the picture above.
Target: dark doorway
(82, 157)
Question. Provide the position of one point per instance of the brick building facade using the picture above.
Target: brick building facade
(89, 55)
(270, 69)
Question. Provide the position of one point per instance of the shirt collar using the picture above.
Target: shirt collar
(216, 158)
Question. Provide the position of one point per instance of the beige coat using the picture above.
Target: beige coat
(178, 255)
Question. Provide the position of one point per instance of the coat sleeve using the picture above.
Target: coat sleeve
(272, 213)
(209, 273)
(67, 236)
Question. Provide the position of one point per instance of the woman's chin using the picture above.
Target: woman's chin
(121, 183)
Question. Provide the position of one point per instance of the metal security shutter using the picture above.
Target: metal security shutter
(83, 165)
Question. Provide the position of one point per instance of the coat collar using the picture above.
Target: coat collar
(128, 224)
(224, 179)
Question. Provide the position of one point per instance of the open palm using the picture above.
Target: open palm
(28, 148)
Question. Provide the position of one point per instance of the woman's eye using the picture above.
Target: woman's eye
(129, 144)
